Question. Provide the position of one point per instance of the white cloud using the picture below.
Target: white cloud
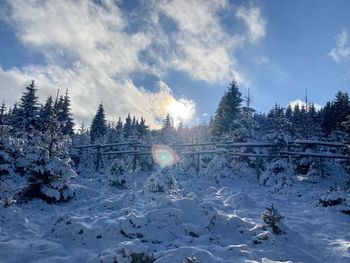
(302, 103)
(342, 50)
(102, 54)
(203, 48)
(89, 49)
(255, 23)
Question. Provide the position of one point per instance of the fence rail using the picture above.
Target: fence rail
(136, 150)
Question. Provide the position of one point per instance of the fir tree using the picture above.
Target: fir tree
(28, 114)
(142, 128)
(3, 115)
(98, 125)
(167, 132)
(341, 108)
(313, 119)
(167, 123)
(334, 113)
(119, 128)
(276, 116)
(64, 115)
(127, 126)
(327, 115)
(289, 113)
(14, 116)
(46, 113)
(248, 124)
(228, 113)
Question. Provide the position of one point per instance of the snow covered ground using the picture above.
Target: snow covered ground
(215, 217)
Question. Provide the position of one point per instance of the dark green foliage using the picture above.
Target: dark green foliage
(289, 113)
(142, 128)
(277, 120)
(227, 115)
(3, 115)
(127, 127)
(46, 113)
(119, 127)
(167, 123)
(64, 115)
(273, 219)
(98, 125)
(27, 116)
(335, 113)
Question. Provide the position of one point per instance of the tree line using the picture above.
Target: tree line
(236, 119)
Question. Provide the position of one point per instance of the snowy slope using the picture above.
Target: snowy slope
(214, 217)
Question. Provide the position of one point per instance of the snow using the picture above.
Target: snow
(213, 216)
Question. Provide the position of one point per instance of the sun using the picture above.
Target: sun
(181, 111)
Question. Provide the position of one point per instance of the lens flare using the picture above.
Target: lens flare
(164, 156)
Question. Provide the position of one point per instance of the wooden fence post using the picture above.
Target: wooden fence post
(98, 157)
(134, 165)
(257, 167)
(321, 168)
(198, 163)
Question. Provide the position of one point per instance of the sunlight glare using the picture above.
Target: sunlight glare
(181, 111)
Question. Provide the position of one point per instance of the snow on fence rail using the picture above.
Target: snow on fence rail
(135, 149)
(320, 143)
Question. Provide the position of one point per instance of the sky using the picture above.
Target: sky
(148, 57)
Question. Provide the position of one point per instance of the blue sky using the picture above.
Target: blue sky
(151, 57)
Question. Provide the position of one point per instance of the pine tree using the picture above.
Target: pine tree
(167, 133)
(127, 126)
(277, 120)
(327, 115)
(98, 125)
(64, 115)
(341, 109)
(134, 124)
(119, 128)
(14, 116)
(248, 124)
(142, 129)
(334, 113)
(48, 164)
(167, 123)
(46, 113)
(228, 113)
(82, 136)
(304, 122)
(289, 113)
(346, 124)
(28, 115)
(314, 123)
(3, 115)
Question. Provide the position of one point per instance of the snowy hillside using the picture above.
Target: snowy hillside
(245, 187)
(208, 217)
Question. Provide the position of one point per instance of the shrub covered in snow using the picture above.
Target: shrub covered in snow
(133, 252)
(117, 173)
(273, 219)
(191, 259)
(187, 164)
(338, 197)
(48, 166)
(8, 201)
(218, 166)
(162, 180)
(277, 175)
(10, 181)
(8, 150)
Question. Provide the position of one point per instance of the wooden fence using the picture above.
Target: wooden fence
(254, 150)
